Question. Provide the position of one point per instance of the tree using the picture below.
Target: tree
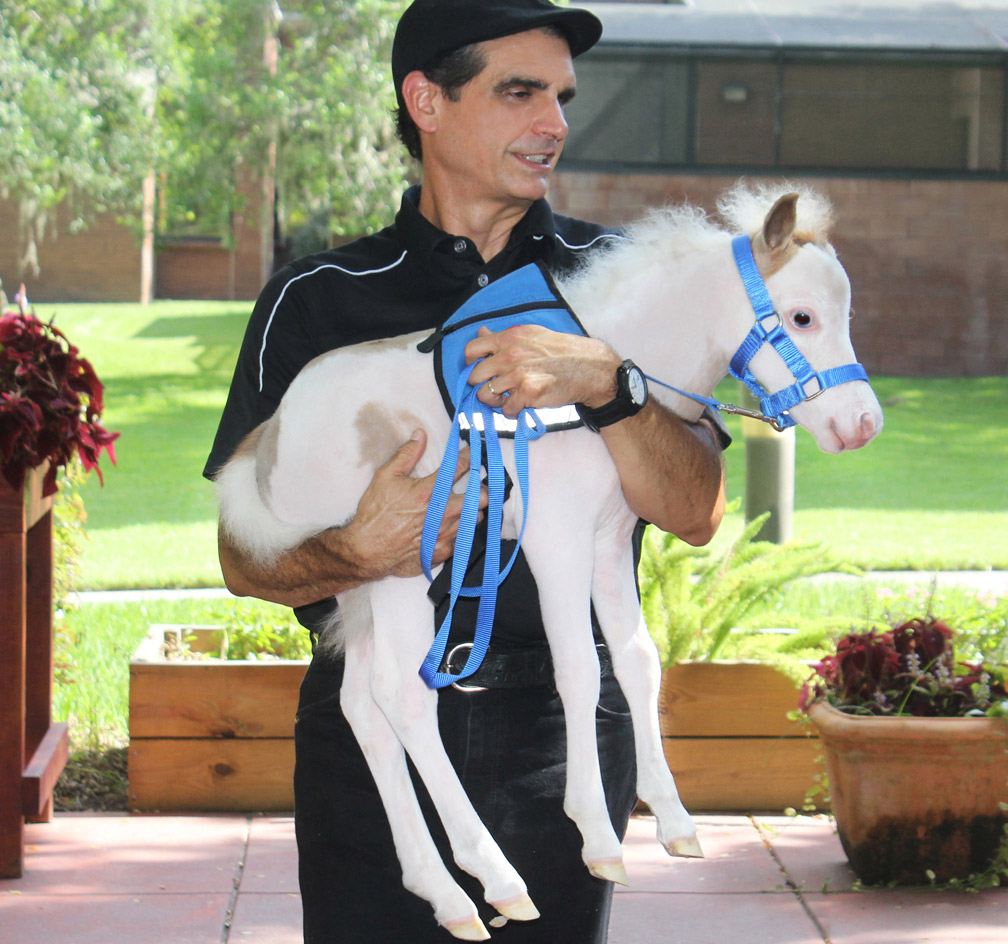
(96, 95)
(338, 150)
(302, 93)
(76, 95)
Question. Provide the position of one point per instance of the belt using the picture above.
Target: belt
(514, 668)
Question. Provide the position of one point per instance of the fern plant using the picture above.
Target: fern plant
(692, 601)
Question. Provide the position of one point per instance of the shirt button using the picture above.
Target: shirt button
(461, 245)
(483, 280)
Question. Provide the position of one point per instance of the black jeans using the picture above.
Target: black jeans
(508, 746)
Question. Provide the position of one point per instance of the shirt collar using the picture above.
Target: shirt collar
(422, 238)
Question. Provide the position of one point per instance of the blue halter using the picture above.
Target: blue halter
(809, 383)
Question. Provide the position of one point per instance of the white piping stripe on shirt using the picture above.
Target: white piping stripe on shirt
(328, 265)
(592, 243)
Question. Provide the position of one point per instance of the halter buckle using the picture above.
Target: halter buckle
(448, 669)
(776, 316)
(804, 387)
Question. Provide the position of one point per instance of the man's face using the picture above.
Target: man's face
(501, 140)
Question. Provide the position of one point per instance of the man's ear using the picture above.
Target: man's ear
(420, 96)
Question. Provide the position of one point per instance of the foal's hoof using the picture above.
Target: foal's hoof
(612, 870)
(467, 929)
(687, 848)
(519, 908)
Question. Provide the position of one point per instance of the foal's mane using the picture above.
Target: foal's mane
(745, 206)
(670, 232)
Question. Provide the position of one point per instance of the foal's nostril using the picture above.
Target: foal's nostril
(867, 425)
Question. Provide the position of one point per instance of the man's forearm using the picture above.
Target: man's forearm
(321, 567)
(381, 540)
(671, 471)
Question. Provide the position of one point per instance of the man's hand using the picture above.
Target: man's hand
(388, 526)
(671, 472)
(537, 367)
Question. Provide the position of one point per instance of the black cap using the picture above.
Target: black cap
(431, 28)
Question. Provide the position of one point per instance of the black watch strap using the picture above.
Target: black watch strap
(631, 395)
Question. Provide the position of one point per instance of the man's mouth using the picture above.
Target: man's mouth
(543, 160)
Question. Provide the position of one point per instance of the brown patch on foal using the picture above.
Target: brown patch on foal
(380, 432)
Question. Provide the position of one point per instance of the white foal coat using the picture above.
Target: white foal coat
(670, 298)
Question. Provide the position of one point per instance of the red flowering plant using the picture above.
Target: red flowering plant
(50, 401)
(908, 669)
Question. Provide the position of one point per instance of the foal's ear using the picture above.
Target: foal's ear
(779, 225)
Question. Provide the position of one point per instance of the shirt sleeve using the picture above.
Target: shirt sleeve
(278, 342)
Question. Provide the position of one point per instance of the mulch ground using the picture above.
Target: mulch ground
(93, 781)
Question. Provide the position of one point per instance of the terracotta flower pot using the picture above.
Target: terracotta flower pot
(915, 795)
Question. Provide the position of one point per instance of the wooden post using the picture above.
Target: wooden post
(33, 751)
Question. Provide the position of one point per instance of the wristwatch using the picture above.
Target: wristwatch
(631, 395)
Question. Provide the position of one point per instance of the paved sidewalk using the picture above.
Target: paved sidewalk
(93, 878)
(991, 581)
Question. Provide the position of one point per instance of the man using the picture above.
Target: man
(481, 86)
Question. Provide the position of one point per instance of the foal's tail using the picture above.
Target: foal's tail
(244, 515)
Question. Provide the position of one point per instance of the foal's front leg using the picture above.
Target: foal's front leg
(563, 576)
(638, 670)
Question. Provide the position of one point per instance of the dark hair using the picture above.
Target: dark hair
(451, 72)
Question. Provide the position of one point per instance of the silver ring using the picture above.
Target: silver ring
(448, 668)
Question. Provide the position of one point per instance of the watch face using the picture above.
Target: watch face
(638, 386)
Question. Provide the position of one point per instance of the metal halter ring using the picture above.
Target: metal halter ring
(448, 668)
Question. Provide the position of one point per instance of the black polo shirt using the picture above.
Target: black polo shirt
(409, 277)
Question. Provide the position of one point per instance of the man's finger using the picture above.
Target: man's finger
(408, 454)
(462, 466)
(484, 344)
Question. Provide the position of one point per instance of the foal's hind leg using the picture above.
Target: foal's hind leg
(424, 873)
(638, 670)
(402, 635)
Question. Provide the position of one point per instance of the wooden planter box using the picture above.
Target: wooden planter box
(728, 740)
(219, 735)
(210, 734)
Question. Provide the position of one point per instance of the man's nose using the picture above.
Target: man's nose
(551, 122)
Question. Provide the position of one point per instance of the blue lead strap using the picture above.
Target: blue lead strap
(529, 428)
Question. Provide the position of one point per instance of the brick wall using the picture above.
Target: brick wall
(928, 260)
(102, 261)
(192, 269)
(98, 263)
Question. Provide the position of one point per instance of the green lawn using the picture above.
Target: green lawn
(166, 369)
(930, 492)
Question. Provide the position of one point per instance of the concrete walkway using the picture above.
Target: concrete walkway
(94, 878)
(990, 581)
